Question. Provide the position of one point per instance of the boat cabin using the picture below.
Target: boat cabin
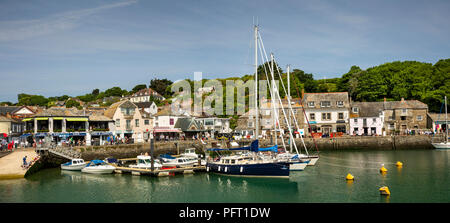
(77, 161)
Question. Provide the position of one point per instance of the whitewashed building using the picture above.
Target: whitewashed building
(366, 118)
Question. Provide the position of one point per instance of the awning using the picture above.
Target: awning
(42, 118)
(77, 119)
(26, 119)
(58, 118)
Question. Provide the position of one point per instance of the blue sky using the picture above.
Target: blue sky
(56, 47)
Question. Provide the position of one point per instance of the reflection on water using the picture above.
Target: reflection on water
(424, 171)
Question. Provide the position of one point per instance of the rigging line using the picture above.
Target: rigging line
(289, 105)
(266, 63)
(275, 112)
(277, 93)
(306, 117)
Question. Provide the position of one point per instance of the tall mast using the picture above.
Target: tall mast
(256, 84)
(273, 99)
(446, 124)
(289, 97)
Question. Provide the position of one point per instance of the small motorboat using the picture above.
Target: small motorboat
(74, 164)
(145, 162)
(180, 162)
(193, 157)
(98, 167)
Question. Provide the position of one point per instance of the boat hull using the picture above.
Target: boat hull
(441, 145)
(250, 170)
(96, 170)
(297, 166)
(313, 161)
(73, 167)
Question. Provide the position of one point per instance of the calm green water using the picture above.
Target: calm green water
(425, 177)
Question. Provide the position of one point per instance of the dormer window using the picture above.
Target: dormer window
(340, 103)
(311, 104)
(325, 104)
(355, 109)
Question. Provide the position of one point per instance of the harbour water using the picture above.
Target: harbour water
(424, 177)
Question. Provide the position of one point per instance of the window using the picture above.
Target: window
(147, 122)
(391, 126)
(171, 121)
(355, 109)
(128, 124)
(374, 120)
(136, 122)
(325, 104)
(403, 118)
(340, 115)
(355, 120)
(312, 116)
(419, 118)
(250, 124)
(326, 116)
(117, 122)
(340, 103)
(310, 104)
(209, 122)
(404, 110)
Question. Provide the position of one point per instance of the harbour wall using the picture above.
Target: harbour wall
(340, 143)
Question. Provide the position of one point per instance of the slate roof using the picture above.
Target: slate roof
(8, 109)
(64, 112)
(186, 123)
(333, 97)
(405, 104)
(367, 109)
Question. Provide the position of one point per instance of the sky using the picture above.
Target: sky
(52, 48)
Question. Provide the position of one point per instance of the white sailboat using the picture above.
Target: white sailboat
(445, 144)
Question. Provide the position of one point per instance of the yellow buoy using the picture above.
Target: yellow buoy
(349, 177)
(384, 191)
(382, 169)
(399, 164)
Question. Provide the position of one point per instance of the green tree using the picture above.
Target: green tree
(72, 103)
(161, 85)
(138, 88)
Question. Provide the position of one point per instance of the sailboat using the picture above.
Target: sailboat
(251, 162)
(445, 144)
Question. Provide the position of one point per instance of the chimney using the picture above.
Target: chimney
(303, 93)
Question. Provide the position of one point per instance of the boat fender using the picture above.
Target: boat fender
(349, 177)
(242, 169)
(218, 169)
(226, 168)
(207, 169)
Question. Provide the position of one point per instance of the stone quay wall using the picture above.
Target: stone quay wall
(340, 143)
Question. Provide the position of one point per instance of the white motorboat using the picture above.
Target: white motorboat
(74, 164)
(180, 162)
(442, 145)
(193, 157)
(98, 167)
(145, 162)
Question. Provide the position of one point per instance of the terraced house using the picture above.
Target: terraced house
(327, 112)
(129, 121)
(402, 116)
